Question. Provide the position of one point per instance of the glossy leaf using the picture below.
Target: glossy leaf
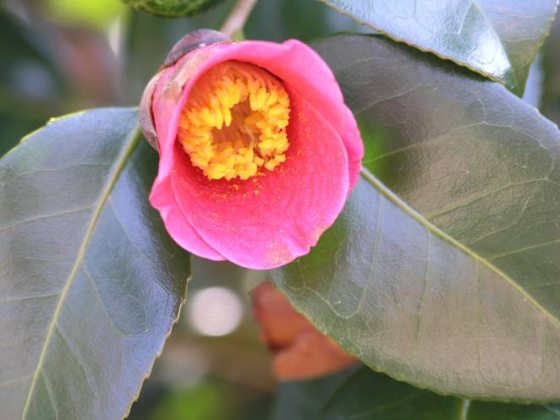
(456, 288)
(278, 20)
(362, 394)
(304, 400)
(497, 38)
(89, 282)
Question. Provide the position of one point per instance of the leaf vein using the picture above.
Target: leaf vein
(375, 183)
(52, 400)
(113, 177)
(46, 216)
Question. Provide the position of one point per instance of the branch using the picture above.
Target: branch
(238, 16)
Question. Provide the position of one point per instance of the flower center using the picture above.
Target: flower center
(235, 121)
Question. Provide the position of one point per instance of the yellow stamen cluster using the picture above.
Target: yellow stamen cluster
(235, 121)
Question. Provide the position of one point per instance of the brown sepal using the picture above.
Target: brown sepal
(301, 352)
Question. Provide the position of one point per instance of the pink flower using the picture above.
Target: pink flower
(258, 152)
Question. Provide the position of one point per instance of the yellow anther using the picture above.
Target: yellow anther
(218, 118)
(277, 110)
(261, 98)
(227, 116)
(271, 164)
(235, 121)
(272, 99)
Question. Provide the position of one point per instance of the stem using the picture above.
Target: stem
(464, 409)
(238, 16)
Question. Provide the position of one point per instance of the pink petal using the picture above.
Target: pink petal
(176, 221)
(268, 220)
(163, 197)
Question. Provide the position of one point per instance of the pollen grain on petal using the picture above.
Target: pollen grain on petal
(235, 120)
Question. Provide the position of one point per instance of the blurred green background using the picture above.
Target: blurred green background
(59, 56)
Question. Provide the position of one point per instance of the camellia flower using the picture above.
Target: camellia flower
(258, 152)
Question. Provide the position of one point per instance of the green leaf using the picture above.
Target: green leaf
(362, 394)
(303, 400)
(451, 279)
(173, 8)
(89, 282)
(496, 38)
(278, 20)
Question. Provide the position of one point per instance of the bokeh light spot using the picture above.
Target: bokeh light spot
(215, 311)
